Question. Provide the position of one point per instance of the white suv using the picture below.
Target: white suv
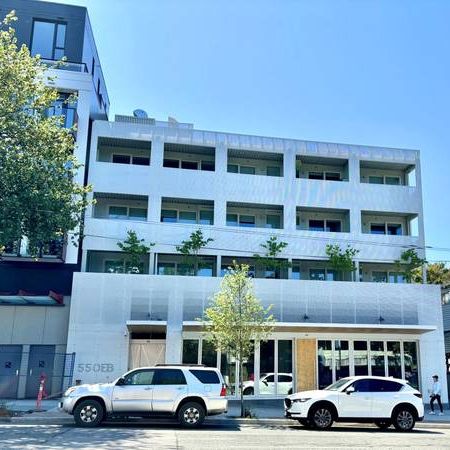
(383, 401)
(186, 392)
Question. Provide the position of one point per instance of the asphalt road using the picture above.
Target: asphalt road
(224, 434)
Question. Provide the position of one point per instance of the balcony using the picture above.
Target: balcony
(169, 264)
(389, 223)
(319, 168)
(256, 269)
(48, 251)
(124, 151)
(323, 219)
(317, 270)
(380, 273)
(252, 215)
(189, 157)
(120, 206)
(394, 174)
(255, 163)
(190, 211)
(66, 65)
(114, 262)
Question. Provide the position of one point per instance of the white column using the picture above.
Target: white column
(174, 331)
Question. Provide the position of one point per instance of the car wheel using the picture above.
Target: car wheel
(191, 415)
(404, 419)
(89, 413)
(383, 424)
(321, 417)
(249, 391)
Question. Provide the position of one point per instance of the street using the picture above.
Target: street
(217, 434)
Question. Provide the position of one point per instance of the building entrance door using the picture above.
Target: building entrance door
(10, 358)
(40, 363)
(146, 353)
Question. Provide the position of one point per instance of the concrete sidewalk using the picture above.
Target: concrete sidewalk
(259, 410)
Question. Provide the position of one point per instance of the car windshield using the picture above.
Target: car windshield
(337, 385)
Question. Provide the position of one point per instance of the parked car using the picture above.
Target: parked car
(383, 401)
(267, 384)
(188, 393)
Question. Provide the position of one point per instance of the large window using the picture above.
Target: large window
(332, 226)
(392, 229)
(127, 212)
(325, 363)
(204, 216)
(66, 107)
(48, 39)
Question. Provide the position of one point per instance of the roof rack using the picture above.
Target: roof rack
(180, 365)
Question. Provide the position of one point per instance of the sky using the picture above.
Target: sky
(360, 72)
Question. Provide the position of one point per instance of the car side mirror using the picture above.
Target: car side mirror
(349, 390)
(120, 381)
(265, 382)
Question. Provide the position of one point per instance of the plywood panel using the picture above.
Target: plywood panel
(306, 355)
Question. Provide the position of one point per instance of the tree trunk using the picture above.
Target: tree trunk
(241, 385)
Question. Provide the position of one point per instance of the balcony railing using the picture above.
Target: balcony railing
(66, 65)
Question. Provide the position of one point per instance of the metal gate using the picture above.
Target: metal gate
(21, 372)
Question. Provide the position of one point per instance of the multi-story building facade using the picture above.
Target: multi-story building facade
(165, 180)
(35, 295)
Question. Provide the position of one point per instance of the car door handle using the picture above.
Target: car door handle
(148, 389)
(180, 388)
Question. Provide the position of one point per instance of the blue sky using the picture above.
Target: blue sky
(362, 72)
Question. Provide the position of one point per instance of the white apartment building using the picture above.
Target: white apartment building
(165, 180)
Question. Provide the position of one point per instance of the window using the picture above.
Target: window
(232, 220)
(118, 212)
(315, 175)
(296, 273)
(140, 378)
(362, 386)
(274, 171)
(332, 176)
(48, 39)
(166, 269)
(121, 159)
(206, 376)
(233, 168)
(206, 217)
(384, 386)
(324, 363)
(316, 225)
(333, 226)
(173, 163)
(379, 277)
(273, 221)
(190, 351)
(205, 269)
(360, 357)
(376, 180)
(394, 229)
(247, 170)
(168, 215)
(141, 160)
(125, 212)
(394, 359)
(331, 275)
(395, 181)
(246, 221)
(377, 358)
(191, 165)
(114, 267)
(317, 274)
(397, 277)
(209, 353)
(377, 228)
(341, 359)
(169, 377)
(187, 217)
(65, 106)
(208, 165)
(284, 379)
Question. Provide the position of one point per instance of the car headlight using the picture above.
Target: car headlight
(69, 391)
(301, 400)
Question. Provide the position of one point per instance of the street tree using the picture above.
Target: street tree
(39, 197)
(190, 248)
(134, 248)
(236, 320)
(437, 273)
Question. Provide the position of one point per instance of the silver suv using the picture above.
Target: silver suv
(186, 392)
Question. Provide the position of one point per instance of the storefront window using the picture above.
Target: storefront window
(209, 354)
(394, 359)
(285, 377)
(410, 358)
(324, 359)
(190, 351)
(267, 368)
(377, 358)
(228, 371)
(360, 358)
(341, 359)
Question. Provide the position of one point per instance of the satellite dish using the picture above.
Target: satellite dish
(140, 114)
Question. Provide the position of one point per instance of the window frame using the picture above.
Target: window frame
(55, 24)
(127, 217)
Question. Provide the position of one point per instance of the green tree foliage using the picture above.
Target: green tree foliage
(135, 249)
(236, 318)
(409, 263)
(341, 260)
(270, 260)
(39, 197)
(437, 273)
(190, 248)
